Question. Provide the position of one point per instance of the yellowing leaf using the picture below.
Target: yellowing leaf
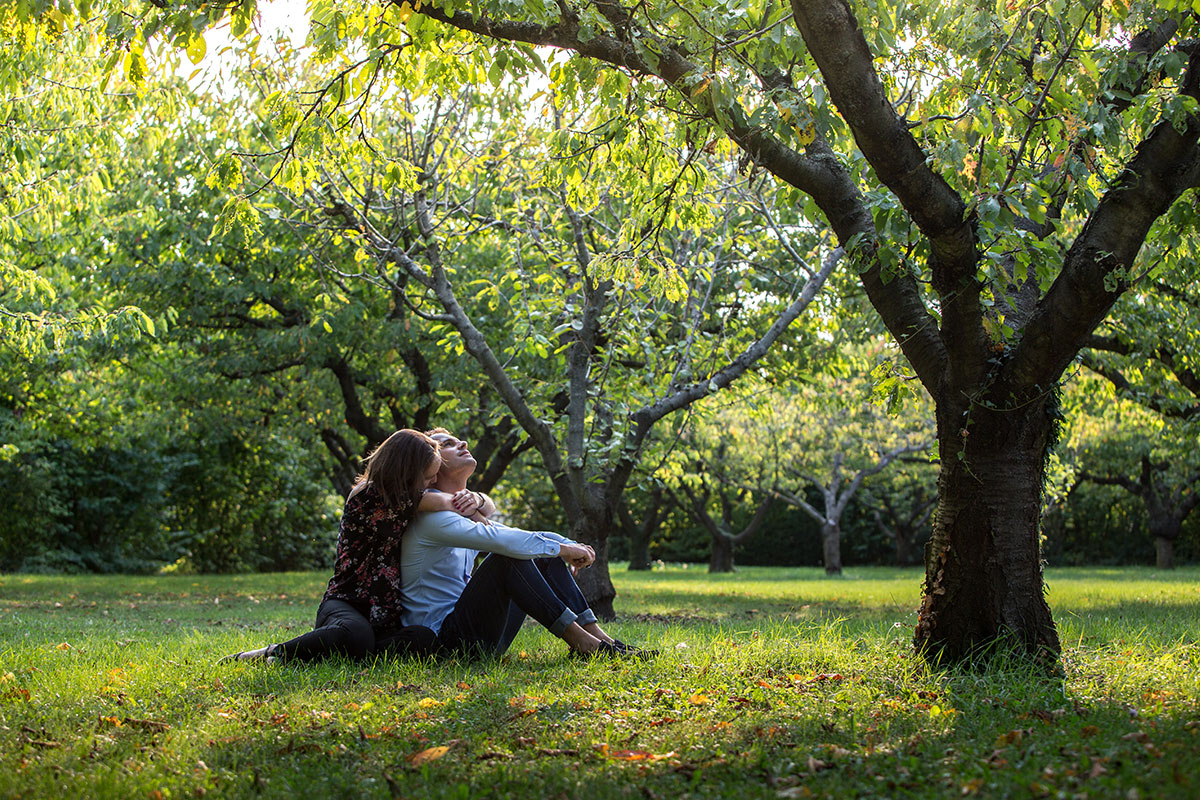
(429, 754)
(196, 49)
(806, 134)
(429, 702)
(62, 646)
(699, 699)
(629, 755)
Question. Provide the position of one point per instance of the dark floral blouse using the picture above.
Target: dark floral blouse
(366, 573)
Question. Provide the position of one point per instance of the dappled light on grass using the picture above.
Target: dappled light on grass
(776, 703)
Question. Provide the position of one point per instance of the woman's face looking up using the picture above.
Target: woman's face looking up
(431, 472)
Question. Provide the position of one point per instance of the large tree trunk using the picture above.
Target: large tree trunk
(831, 546)
(721, 559)
(983, 570)
(595, 582)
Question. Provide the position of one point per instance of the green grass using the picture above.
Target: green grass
(773, 683)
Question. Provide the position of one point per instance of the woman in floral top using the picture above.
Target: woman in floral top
(360, 613)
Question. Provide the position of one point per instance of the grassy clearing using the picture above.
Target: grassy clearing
(773, 683)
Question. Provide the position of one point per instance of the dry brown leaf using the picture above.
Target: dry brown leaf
(428, 754)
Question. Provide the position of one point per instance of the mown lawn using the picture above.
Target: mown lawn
(773, 683)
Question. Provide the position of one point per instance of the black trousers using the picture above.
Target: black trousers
(501, 593)
(343, 629)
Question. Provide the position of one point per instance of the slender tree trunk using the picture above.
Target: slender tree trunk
(902, 548)
(831, 547)
(721, 559)
(1164, 551)
(983, 571)
(1166, 524)
(640, 532)
(639, 549)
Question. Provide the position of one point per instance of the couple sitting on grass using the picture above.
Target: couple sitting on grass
(403, 580)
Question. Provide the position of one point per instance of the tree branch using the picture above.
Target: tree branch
(1096, 268)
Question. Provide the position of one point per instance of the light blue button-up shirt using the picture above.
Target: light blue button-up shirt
(438, 551)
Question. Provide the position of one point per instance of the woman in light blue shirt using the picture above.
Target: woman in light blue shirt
(525, 573)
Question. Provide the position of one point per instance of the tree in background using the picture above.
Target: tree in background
(902, 508)
(711, 482)
(641, 523)
(1120, 441)
(832, 438)
(1167, 503)
(1148, 353)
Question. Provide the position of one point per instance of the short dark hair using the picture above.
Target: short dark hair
(396, 467)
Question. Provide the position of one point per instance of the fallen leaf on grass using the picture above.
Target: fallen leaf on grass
(15, 693)
(639, 755)
(429, 702)
(699, 699)
(63, 646)
(1088, 730)
(428, 754)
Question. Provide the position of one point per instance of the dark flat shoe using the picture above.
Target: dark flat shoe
(614, 650)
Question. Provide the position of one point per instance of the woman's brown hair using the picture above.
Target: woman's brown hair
(397, 467)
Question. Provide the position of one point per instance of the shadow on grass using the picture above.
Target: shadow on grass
(1004, 733)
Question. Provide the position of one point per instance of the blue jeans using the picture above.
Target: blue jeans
(501, 593)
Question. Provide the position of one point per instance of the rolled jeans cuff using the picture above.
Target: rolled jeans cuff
(587, 617)
(563, 622)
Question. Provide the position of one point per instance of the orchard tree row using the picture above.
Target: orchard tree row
(635, 251)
